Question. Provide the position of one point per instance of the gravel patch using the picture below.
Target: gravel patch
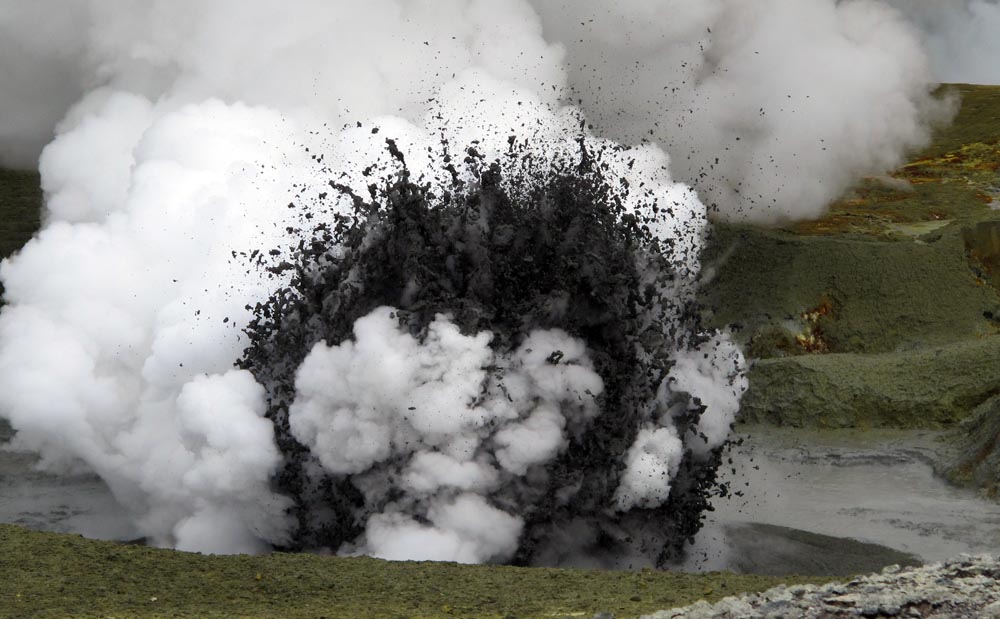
(964, 587)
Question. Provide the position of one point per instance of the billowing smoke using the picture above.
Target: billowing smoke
(501, 345)
(354, 276)
(769, 109)
(960, 37)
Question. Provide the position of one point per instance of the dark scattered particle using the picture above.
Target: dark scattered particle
(498, 254)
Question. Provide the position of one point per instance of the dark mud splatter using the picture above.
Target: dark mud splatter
(510, 252)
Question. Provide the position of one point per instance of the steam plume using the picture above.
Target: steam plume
(959, 36)
(138, 336)
(768, 108)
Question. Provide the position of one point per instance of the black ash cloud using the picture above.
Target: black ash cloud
(462, 372)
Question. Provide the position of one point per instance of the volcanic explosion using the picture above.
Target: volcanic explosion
(465, 370)
(367, 280)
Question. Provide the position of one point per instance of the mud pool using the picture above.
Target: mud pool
(813, 503)
(812, 490)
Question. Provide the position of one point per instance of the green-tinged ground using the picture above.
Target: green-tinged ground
(59, 576)
(930, 387)
(886, 312)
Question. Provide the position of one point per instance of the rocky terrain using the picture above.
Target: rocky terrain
(964, 587)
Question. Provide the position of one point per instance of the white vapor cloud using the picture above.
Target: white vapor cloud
(770, 109)
(170, 135)
(960, 37)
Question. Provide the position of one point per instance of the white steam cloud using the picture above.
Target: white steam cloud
(181, 128)
(770, 109)
(387, 395)
(961, 37)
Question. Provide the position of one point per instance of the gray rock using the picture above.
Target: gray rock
(960, 588)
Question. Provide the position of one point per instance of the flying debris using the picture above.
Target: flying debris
(470, 372)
